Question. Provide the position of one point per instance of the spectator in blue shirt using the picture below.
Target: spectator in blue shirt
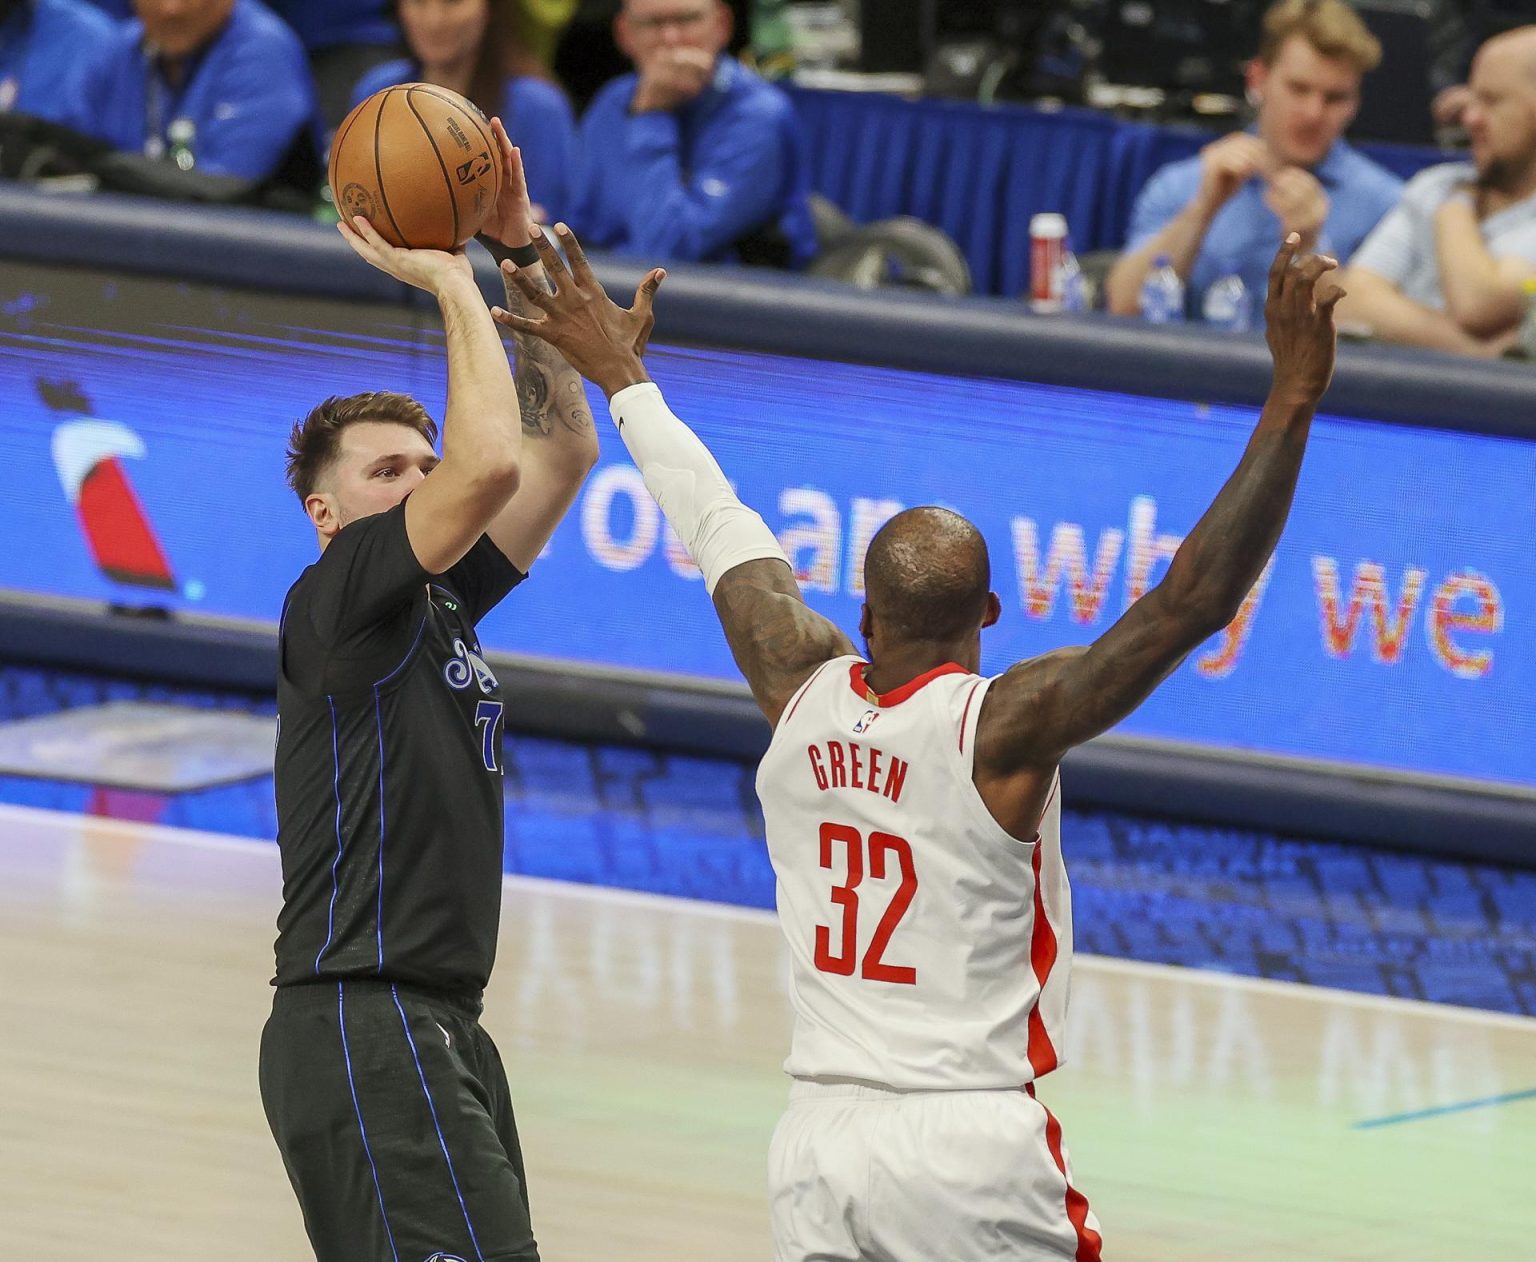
(693, 156)
(1222, 212)
(50, 52)
(467, 45)
(217, 85)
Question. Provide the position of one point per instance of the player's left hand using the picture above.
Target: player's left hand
(600, 339)
(427, 270)
(1299, 325)
(512, 216)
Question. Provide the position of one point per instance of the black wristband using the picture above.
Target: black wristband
(522, 255)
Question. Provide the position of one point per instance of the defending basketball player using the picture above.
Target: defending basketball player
(386, 1097)
(913, 811)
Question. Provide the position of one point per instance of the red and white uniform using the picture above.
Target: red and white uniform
(930, 953)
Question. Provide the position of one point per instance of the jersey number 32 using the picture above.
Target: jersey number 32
(881, 849)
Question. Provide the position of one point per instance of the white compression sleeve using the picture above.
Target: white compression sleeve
(719, 531)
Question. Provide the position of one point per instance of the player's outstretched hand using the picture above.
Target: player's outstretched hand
(1298, 318)
(425, 269)
(599, 339)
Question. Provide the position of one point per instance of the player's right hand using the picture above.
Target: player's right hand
(1298, 317)
(429, 270)
(1226, 165)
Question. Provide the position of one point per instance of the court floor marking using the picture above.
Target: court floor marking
(1419, 1115)
(729, 911)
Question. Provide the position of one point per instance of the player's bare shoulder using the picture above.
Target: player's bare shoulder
(1014, 727)
(776, 638)
(1016, 738)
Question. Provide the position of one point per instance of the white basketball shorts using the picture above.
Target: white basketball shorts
(858, 1173)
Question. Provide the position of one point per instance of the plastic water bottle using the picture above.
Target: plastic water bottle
(1070, 284)
(1162, 294)
(1228, 305)
(1047, 250)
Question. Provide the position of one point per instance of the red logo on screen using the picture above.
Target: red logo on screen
(89, 454)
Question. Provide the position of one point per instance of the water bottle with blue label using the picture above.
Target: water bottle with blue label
(1228, 305)
(1162, 294)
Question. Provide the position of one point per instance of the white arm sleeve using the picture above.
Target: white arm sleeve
(719, 531)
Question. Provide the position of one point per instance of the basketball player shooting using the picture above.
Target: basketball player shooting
(913, 809)
(386, 1097)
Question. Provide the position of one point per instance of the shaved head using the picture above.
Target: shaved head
(1500, 118)
(1519, 45)
(927, 576)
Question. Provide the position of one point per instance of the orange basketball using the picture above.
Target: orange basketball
(419, 163)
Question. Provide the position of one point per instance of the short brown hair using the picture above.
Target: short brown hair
(316, 440)
(1330, 26)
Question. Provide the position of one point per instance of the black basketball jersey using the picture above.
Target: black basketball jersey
(388, 768)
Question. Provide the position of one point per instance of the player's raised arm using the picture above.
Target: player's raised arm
(482, 439)
(1042, 708)
(776, 639)
(559, 437)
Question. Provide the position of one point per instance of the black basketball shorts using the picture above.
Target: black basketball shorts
(391, 1110)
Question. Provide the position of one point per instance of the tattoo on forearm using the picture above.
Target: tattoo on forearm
(548, 389)
(774, 637)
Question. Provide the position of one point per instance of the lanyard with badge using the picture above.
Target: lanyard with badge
(160, 137)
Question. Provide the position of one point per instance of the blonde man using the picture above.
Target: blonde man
(1219, 213)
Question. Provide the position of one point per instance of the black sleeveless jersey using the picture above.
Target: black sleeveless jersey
(388, 767)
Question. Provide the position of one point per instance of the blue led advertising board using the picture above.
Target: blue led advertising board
(144, 423)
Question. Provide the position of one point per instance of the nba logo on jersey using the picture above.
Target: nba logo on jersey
(866, 721)
(443, 1257)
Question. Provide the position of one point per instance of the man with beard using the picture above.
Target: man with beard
(1446, 268)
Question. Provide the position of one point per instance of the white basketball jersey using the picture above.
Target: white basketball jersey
(929, 949)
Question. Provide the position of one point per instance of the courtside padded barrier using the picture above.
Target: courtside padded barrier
(758, 311)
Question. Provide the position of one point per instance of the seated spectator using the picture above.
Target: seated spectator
(345, 39)
(1457, 29)
(1221, 212)
(467, 45)
(694, 156)
(220, 86)
(1445, 268)
(50, 53)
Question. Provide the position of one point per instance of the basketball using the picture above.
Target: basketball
(419, 163)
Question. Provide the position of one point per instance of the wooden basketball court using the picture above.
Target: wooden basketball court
(1208, 1117)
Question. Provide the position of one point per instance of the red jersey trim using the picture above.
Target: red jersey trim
(800, 694)
(1042, 957)
(897, 695)
(1090, 1244)
(966, 714)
